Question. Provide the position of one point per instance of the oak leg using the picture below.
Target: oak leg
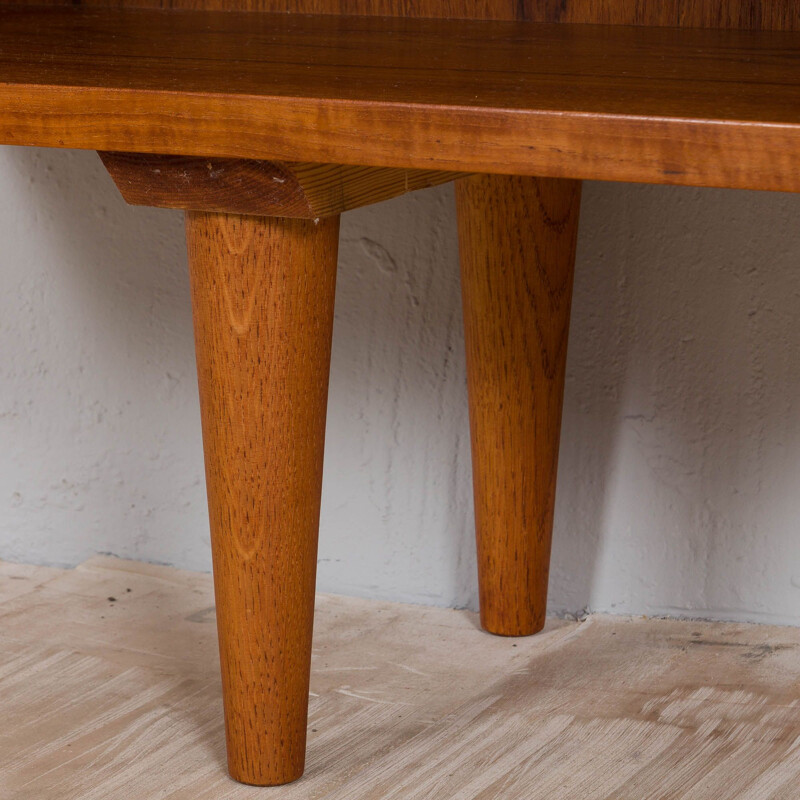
(517, 239)
(262, 295)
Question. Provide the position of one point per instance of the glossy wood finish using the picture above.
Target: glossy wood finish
(518, 248)
(510, 96)
(735, 14)
(262, 295)
(265, 188)
(517, 238)
(664, 105)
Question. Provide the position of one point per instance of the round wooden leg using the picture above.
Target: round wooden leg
(262, 294)
(517, 238)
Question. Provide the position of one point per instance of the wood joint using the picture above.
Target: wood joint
(260, 188)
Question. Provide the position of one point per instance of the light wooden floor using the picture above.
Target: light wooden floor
(106, 698)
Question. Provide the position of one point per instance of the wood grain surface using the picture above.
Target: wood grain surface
(741, 14)
(262, 296)
(517, 240)
(260, 188)
(665, 105)
(120, 701)
(517, 95)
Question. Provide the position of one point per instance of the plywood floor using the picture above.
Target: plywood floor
(106, 698)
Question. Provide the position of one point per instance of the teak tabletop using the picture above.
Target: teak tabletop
(662, 105)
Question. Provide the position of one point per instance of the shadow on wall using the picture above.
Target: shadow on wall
(397, 517)
(681, 434)
(99, 418)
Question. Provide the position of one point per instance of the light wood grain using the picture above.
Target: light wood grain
(261, 188)
(262, 296)
(517, 239)
(117, 700)
(664, 105)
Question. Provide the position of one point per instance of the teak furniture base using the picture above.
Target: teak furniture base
(517, 239)
(266, 126)
(262, 297)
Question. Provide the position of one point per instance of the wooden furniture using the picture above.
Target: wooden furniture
(266, 126)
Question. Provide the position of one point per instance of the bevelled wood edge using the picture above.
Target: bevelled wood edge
(259, 188)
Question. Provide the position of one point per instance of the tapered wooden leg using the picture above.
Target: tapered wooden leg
(262, 294)
(517, 238)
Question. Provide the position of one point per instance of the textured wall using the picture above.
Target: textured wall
(681, 438)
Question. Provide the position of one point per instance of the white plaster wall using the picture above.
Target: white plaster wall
(679, 483)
